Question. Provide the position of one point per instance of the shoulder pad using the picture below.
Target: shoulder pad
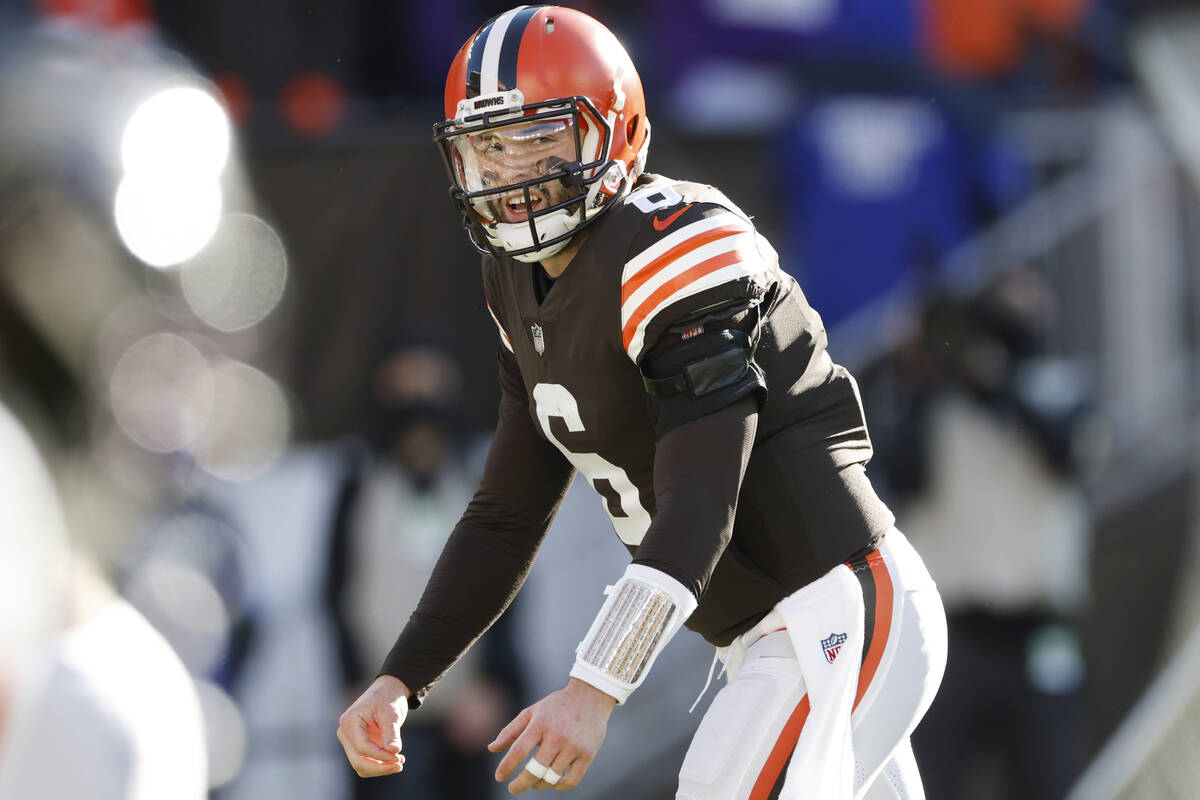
(686, 256)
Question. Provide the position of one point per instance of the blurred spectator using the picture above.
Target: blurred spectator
(84, 678)
(342, 536)
(988, 449)
(397, 504)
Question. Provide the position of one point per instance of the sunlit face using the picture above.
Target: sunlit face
(507, 156)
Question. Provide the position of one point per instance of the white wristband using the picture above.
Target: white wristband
(642, 612)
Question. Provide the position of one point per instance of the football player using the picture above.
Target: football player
(649, 340)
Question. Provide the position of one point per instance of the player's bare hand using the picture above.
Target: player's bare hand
(369, 729)
(567, 727)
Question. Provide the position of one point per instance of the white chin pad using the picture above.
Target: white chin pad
(641, 614)
(510, 236)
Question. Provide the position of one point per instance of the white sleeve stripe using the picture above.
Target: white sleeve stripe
(638, 262)
(716, 278)
(740, 241)
(503, 336)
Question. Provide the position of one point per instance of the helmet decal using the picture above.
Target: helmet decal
(492, 65)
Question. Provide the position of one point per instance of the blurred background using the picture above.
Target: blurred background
(249, 378)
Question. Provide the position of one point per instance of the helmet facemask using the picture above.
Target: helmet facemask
(527, 178)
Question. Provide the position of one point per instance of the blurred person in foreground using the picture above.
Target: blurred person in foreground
(93, 702)
(649, 339)
(996, 439)
(397, 503)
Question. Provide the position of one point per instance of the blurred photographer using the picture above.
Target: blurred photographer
(988, 450)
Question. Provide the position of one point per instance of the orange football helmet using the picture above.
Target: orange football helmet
(545, 127)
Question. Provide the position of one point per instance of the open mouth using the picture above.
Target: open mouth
(515, 209)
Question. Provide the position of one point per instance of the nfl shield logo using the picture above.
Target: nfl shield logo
(833, 645)
(539, 339)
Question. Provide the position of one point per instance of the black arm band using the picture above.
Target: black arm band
(720, 367)
(688, 379)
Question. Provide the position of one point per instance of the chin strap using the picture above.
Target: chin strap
(642, 612)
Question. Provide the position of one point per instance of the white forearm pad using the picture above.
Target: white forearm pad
(641, 614)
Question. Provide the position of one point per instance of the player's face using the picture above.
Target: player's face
(520, 153)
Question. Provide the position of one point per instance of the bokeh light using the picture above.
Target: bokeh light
(164, 219)
(161, 392)
(313, 104)
(183, 604)
(173, 149)
(177, 131)
(250, 424)
(239, 278)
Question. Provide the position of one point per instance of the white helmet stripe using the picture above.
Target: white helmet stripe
(490, 73)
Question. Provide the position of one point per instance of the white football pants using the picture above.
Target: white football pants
(823, 693)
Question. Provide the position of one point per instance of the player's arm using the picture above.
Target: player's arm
(482, 566)
(704, 392)
(692, 297)
(704, 395)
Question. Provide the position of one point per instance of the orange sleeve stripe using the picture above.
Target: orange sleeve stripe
(678, 251)
(680, 281)
(883, 623)
(503, 335)
(781, 752)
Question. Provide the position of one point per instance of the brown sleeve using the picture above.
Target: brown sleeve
(698, 470)
(490, 549)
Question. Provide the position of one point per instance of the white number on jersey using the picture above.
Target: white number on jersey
(555, 400)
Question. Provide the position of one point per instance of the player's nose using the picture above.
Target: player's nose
(521, 170)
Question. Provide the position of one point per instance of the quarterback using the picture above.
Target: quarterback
(649, 340)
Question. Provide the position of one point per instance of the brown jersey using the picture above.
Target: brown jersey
(663, 269)
(667, 253)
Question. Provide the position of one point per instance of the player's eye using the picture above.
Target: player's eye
(488, 144)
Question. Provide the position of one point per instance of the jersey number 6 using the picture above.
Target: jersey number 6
(628, 516)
